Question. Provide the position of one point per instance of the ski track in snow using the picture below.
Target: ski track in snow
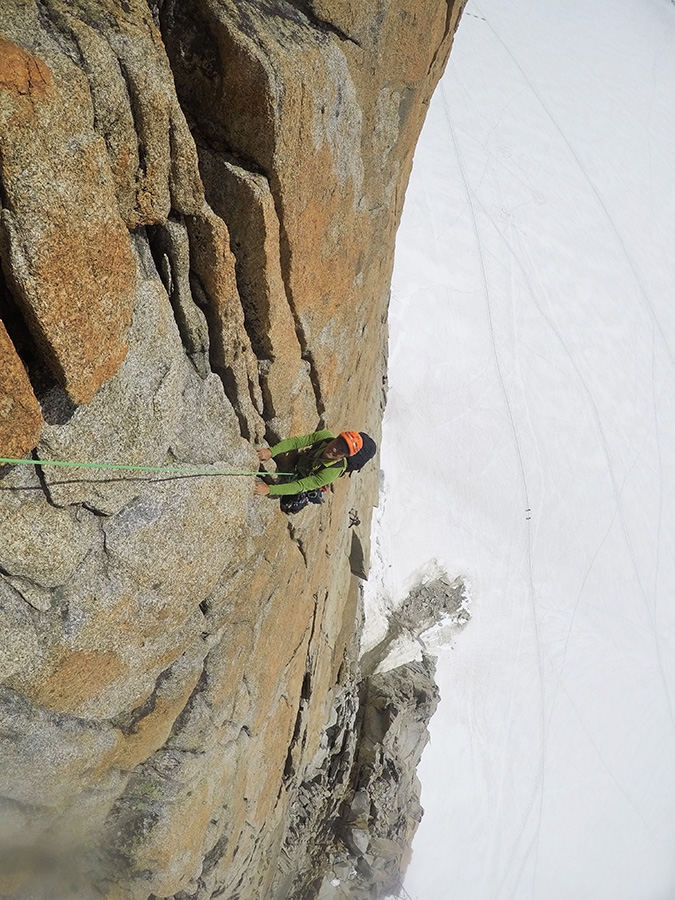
(617, 489)
(538, 791)
(601, 203)
(645, 298)
(536, 797)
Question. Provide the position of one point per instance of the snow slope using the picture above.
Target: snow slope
(529, 444)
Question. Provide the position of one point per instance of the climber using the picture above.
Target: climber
(317, 459)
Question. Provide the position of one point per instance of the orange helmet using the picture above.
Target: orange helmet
(353, 440)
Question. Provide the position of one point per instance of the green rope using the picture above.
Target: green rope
(184, 470)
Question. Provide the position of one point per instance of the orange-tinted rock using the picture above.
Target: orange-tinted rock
(330, 111)
(23, 75)
(76, 678)
(20, 416)
(244, 201)
(64, 245)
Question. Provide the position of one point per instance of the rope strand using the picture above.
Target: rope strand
(185, 470)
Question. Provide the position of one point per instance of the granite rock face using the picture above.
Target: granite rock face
(198, 204)
(379, 819)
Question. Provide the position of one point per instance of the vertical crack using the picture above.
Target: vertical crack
(169, 246)
(43, 481)
(217, 353)
(285, 254)
(297, 541)
(299, 737)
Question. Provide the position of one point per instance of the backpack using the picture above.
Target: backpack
(356, 462)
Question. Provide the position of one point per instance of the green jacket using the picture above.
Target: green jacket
(313, 472)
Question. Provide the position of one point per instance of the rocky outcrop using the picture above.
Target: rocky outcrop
(436, 602)
(198, 204)
(354, 817)
(379, 820)
(60, 218)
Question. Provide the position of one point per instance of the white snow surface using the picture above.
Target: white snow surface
(529, 444)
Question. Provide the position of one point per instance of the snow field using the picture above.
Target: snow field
(528, 445)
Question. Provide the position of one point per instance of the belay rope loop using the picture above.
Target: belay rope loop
(180, 470)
